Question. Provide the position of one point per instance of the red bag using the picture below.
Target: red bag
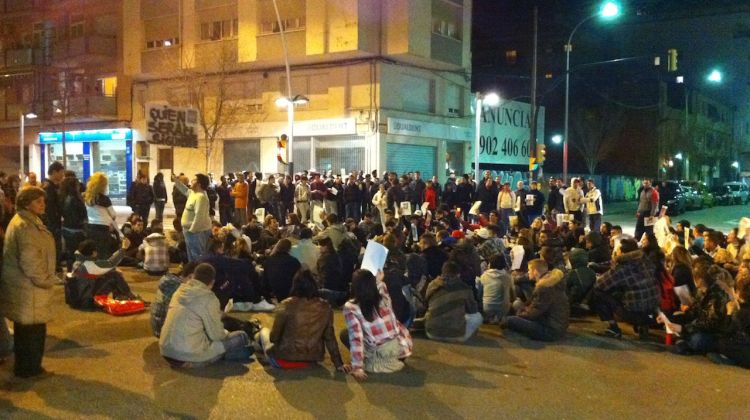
(119, 307)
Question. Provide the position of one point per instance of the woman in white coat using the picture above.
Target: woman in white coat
(380, 202)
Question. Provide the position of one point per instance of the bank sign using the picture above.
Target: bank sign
(171, 126)
(504, 133)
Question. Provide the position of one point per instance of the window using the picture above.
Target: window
(291, 24)
(220, 29)
(76, 27)
(107, 86)
(162, 43)
(511, 56)
(447, 19)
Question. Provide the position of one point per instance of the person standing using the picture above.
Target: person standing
(28, 275)
(302, 199)
(239, 192)
(141, 196)
(352, 199)
(74, 218)
(505, 202)
(417, 187)
(572, 200)
(179, 199)
(196, 221)
(648, 206)
(226, 203)
(102, 217)
(160, 195)
(286, 198)
(594, 206)
(464, 195)
(53, 214)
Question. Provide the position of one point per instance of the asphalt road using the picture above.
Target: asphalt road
(722, 218)
(109, 367)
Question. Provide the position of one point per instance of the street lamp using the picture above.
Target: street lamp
(714, 76)
(736, 165)
(557, 139)
(22, 140)
(609, 10)
(490, 99)
(678, 156)
(289, 103)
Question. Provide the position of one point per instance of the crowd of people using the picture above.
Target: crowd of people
(459, 255)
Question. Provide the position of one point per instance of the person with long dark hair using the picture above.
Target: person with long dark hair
(376, 340)
(75, 218)
(279, 270)
(330, 273)
(160, 195)
(302, 328)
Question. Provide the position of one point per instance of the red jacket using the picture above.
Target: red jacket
(430, 196)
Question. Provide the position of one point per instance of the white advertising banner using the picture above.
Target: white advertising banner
(504, 133)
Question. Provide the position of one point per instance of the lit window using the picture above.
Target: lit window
(511, 56)
(220, 29)
(548, 76)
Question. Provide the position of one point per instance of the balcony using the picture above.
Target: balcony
(22, 57)
(160, 60)
(91, 47)
(92, 106)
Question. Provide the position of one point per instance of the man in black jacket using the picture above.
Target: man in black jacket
(352, 199)
(53, 209)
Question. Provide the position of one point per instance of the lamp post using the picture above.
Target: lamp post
(22, 140)
(609, 10)
(289, 103)
(489, 99)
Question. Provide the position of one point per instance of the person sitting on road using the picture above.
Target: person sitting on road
(628, 291)
(106, 278)
(193, 334)
(452, 311)
(168, 284)
(279, 270)
(495, 287)
(546, 315)
(579, 280)
(706, 318)
(155, 253)
(376, 340)
(735, 345)
(302, 328)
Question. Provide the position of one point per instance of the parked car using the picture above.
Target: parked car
(671, 195)
(722, 195)
(700, 188)
(693, 201)
(740, 192)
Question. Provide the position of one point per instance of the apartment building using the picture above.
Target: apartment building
(61, 65)
(387, 82)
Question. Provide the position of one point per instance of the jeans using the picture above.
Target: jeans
(529, 328)
(196, 243)
(352, 210)
(595, 222)
(608, 308)
(577, 215)
(473, 322)
(641, 228)
(505, 217)
(225, 214)
(236, 347)
(159, 207)
(702, 342)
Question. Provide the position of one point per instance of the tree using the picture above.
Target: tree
(597, 130)
(209, 86)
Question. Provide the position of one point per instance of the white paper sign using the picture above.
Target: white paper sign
(562, 218)
(744, 225)
(475, 208)
(405, 209)
(374, 258)
(260, 214)
(516, 254)
(333, 191)
(683, 293)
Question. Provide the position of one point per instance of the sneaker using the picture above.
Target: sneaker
(611, 332)
(263, 306)
(242, 306)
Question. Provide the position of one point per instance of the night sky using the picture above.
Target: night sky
(707, 34)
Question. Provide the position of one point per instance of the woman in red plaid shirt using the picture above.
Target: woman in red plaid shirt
(376, 340)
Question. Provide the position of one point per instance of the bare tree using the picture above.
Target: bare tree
(209, 87)
(597, 131)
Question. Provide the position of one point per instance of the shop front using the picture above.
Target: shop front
(88, 151)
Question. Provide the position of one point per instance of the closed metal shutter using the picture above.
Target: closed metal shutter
(241, 155)
(403, 158)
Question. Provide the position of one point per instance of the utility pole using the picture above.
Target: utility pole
(534, 108)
